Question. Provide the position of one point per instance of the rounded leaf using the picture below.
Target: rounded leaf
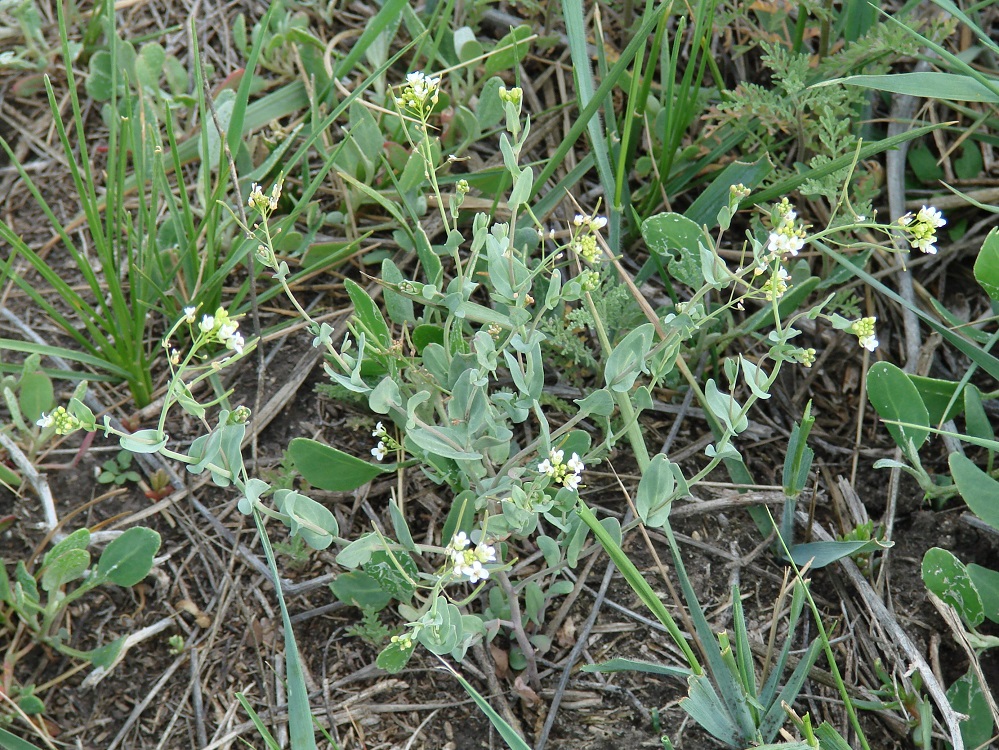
(947, 577)
(129, 558)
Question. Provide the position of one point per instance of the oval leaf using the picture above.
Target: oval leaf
(894, 397)
(129, 558)
(330, 469)
(947, 577)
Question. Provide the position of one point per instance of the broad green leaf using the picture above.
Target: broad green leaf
(936, 395)
(987, 583)
(621, 664)
(947, 577)
(395, 656)
(35, 395)
(384, 396)
(979, 490)
(654, 492)
(824, 553)
(67, 567)
(143, 441)
(724, 407)
(367, 313)
(395, 573)
(509, 50)
(676, 238)
(399, 307)
(987, 265)
(977, 421)
(359, 551)
(313, 522)
(330, 469)
(628, 359)
(966, 697)
(600, 402)
(79, 539)
(928, 84)
(360, 590)
(895, 397)
(129, 558)
(105, 655)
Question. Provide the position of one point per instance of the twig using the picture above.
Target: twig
(573, 657)
(198, 705)
(901, 638)
(144, 703)
(518, 629)
(38, 481)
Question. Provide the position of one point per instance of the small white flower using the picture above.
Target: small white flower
(485, 553)
(926, 244)
(235, 342)
(45, 420)
(932, 216)
(597, 223)
(379, 431)
(207, 323)
(870, 343)
(227, 330)
(557, 457)
(189, 314)
(575, 464)
(459, 541)
(579, 220)
(572, 481)
(905, 220)
(475, 572)
(545, 467)
(379, 451)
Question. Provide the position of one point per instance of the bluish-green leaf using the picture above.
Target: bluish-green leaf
(824, 553)
(621, 664)
(360, 590)
(927, 84)
(654, 491)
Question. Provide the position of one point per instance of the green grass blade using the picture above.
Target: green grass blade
(272, 744)
(638, 583)
(10, 741)
(977, 355)
(99, 363)
(513, 740)
(599, 96)
(788, 184)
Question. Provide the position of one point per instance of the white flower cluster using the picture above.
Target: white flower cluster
(569, 474)
(922, 228)
(863, 329)
(468, 561)
(264, 204)
(222, 328)
(786, 238)
(584, 239)
(379, 451)
(420, 93)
